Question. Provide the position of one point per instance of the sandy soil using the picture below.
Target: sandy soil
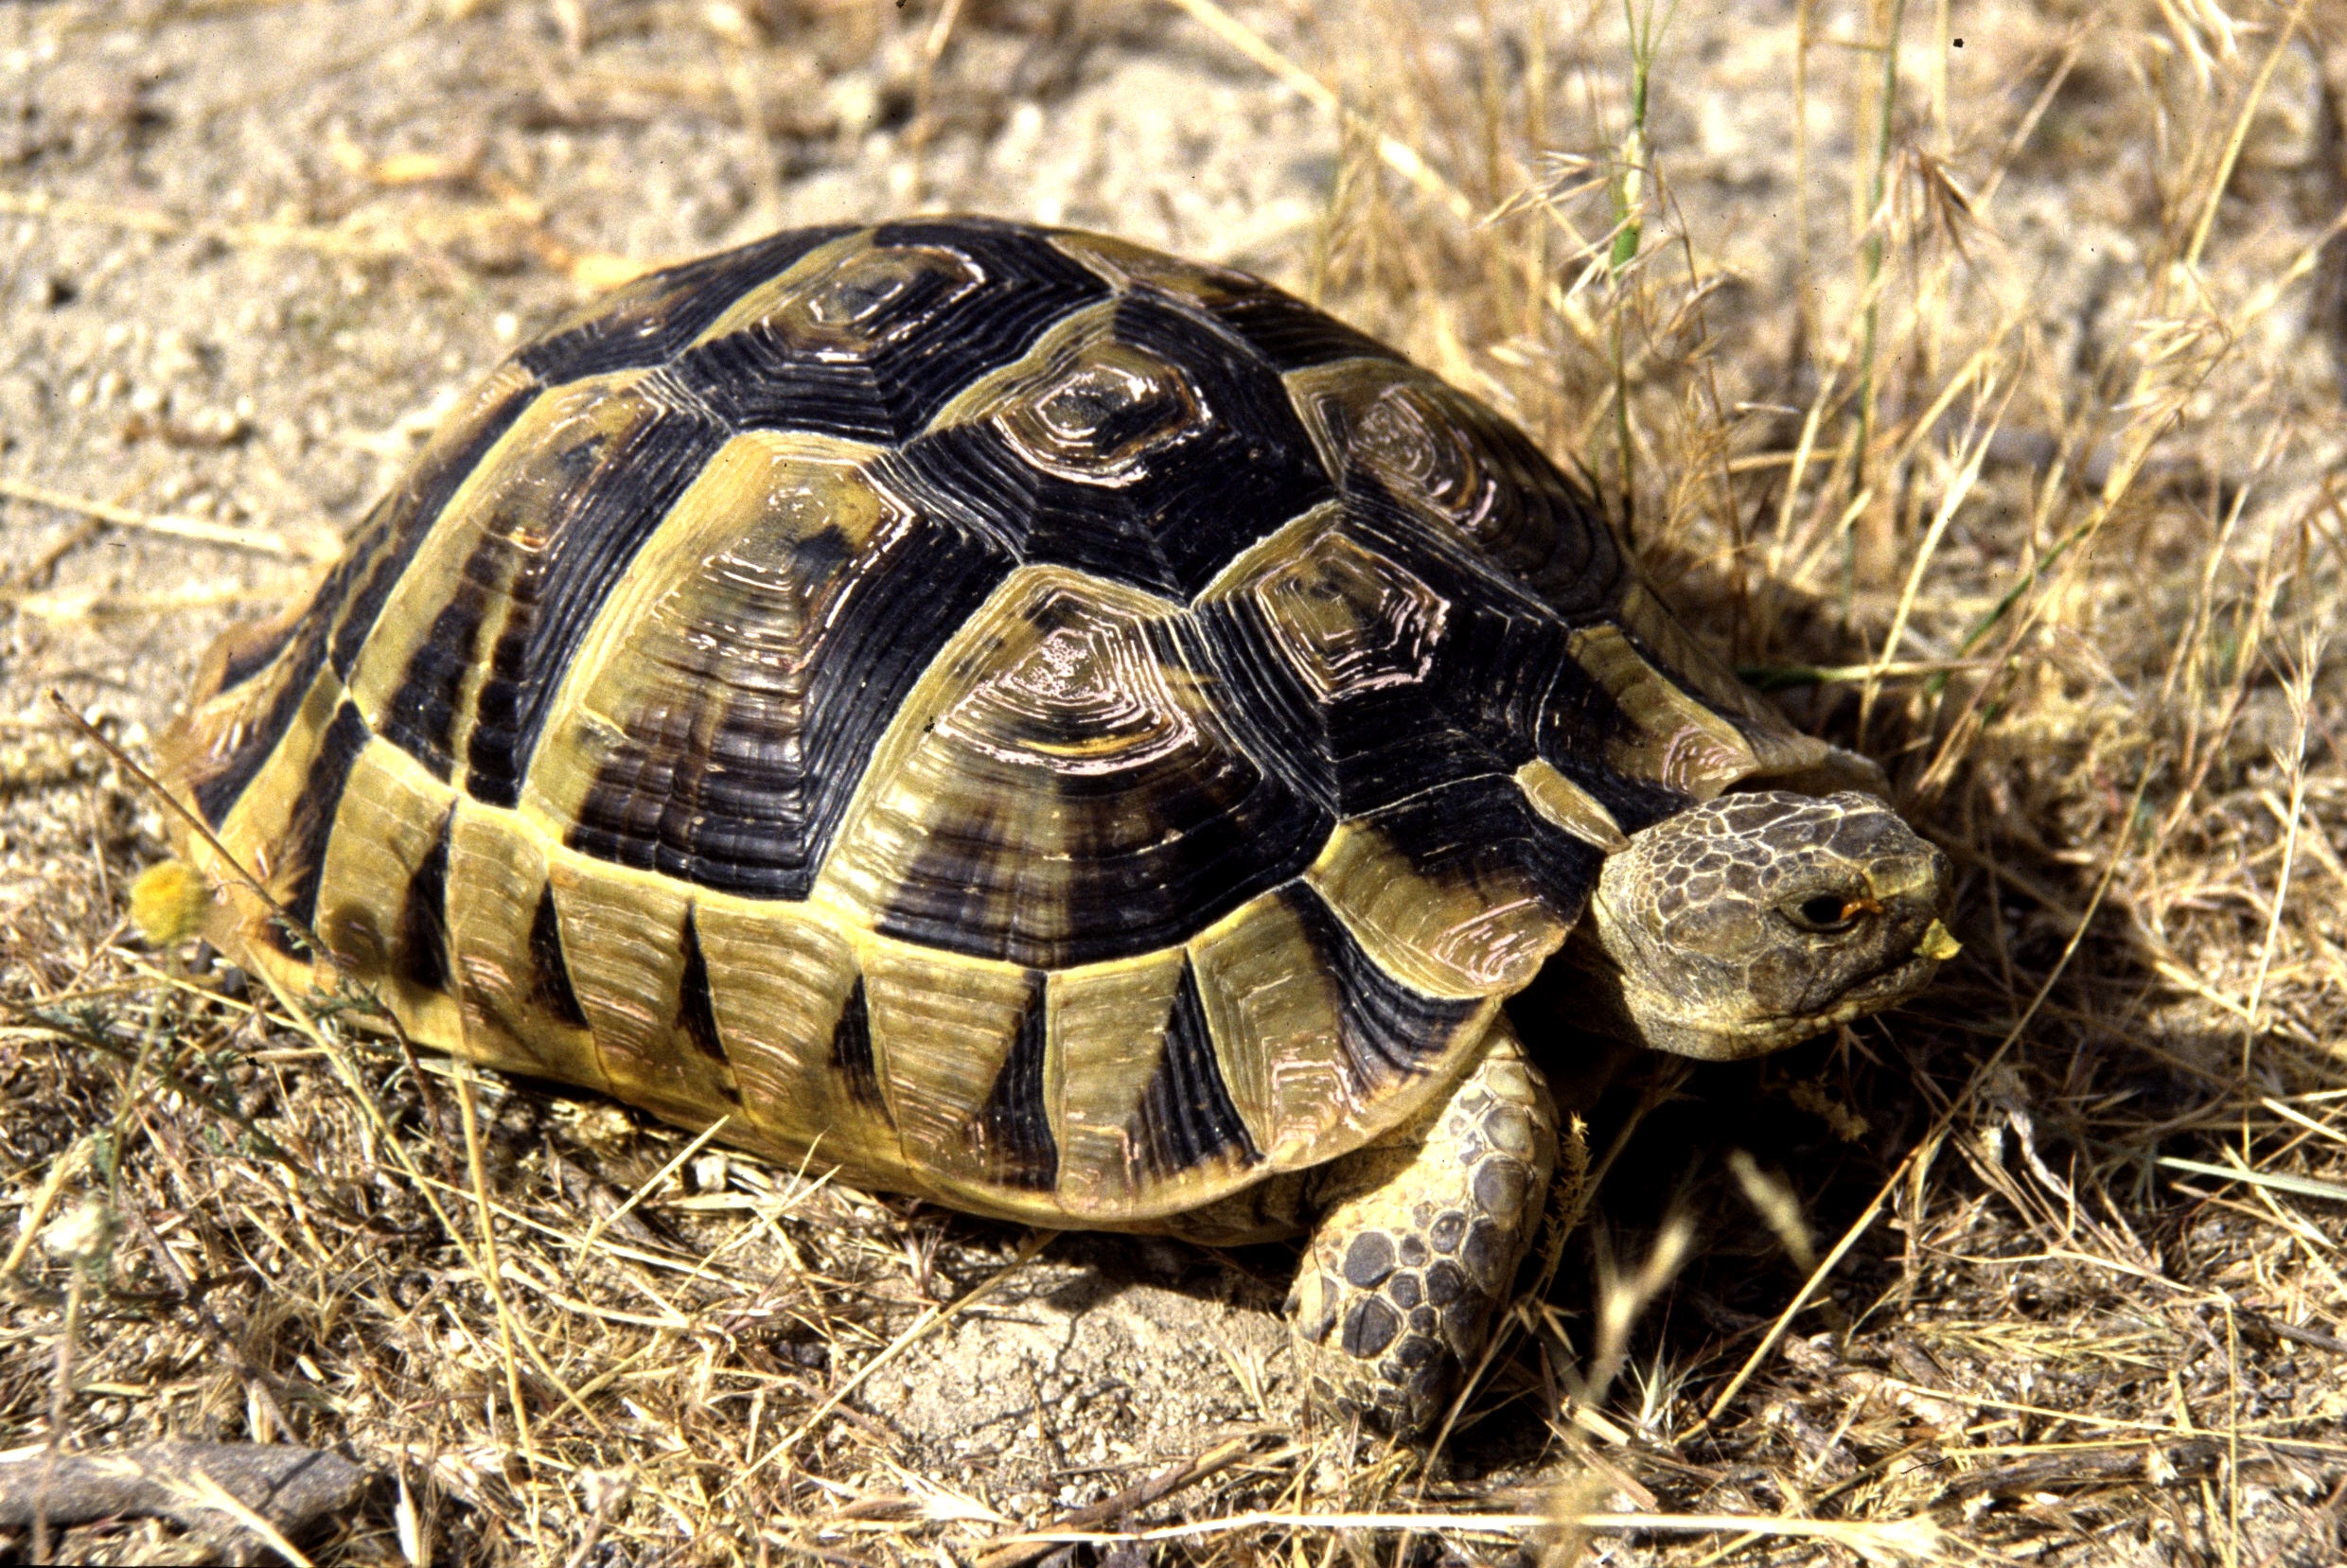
(249, 251)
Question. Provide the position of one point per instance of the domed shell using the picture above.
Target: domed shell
(1016, 716)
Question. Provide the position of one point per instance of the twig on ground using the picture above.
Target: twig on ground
(291, 1488)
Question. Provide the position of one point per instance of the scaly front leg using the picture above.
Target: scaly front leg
(1418, 1243)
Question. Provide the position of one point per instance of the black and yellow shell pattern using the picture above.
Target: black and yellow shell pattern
(1018, 718)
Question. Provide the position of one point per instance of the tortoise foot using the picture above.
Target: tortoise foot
(1418, 1243)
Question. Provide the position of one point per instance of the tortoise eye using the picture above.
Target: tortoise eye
(1829, 914)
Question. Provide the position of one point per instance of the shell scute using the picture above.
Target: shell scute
(646, 322)
(255, 681)
(1332, 639)
(520, 928)
(1063, 790)
(870, 339)
(1350, 620)
(1476, 921)
(658, 1036)
(1332, 1041)
(1138, 442)
(715, 723)
(946, 1031)
(1455, 463)
(521, 556)
(1288, 333)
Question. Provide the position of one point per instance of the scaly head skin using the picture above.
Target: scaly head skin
(1758, 920)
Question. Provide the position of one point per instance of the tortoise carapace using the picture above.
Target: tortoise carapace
(1078, 735)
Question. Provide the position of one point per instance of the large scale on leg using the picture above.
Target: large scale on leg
(1030, 722)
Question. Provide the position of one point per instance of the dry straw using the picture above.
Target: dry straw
(1998, 429)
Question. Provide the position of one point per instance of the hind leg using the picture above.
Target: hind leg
(1416, 1243)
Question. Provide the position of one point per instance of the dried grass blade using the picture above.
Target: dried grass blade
(2250, 102)
(651, 1183)
(1156, 1489)
(165, 524)
(2302, 1186)
(212, 1495)
(507, 1329)
(349, 1072)
(2318, 1128)
(1397, 154)
(1968, 474)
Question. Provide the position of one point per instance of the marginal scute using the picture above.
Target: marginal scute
(1259, 981)
(1104, 1020)
(500, 887)
(219, 749)
(244, 651)
(1583, 731)
(1186, 1123)
(696, 1011)
(796, 1030)
(1390, 1032)
(249, 687)
(851, 1051)
(1013, 1137)
(621, 939)
(317, 802)
(943, 1030)
(1337, 1045)
(1569, 806)
(382, 900)
(420, 951)
(1777, 746)
(1456, 935)
(549, 986)
(1185, 1119)
(1676, 741)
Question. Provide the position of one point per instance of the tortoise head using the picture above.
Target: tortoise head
(1757, 920)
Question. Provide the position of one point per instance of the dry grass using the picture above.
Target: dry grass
(2004, 444)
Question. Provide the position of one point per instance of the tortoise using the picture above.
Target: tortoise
(1075, 735)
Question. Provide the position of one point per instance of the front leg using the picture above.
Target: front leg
(1417, 1240)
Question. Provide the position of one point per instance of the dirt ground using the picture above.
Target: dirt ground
(1997, 428)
